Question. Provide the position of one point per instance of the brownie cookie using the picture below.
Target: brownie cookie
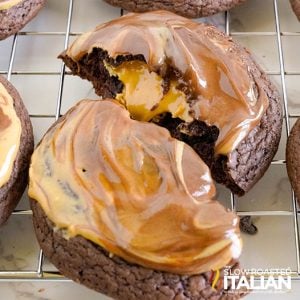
(293, 158)
(191, 79)
(15, 14)
(296, 7)
(16, 146)
(131, 215)
(89, 264)
(190, 9)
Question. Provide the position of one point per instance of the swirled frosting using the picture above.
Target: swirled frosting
(6, 4)
(10, 135)
(132, 189)
(226, 94)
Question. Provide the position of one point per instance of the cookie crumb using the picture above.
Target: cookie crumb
(247, 226)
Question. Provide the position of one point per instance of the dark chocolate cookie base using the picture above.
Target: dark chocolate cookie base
(293, 158)
(12, 191)
(245, 165)
(92, 266)
(190, 8)
(16, 17)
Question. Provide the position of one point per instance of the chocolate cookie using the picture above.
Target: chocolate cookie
(16, 146)
(190, 9)
(15, 14)
(89, 264)
(211, 94)
(121, 207)
(296, 7)
(293, 158)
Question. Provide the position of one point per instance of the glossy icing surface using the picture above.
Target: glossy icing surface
(131, 188)
(10, 134)
(225, 93)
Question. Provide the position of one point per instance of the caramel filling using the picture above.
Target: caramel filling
(6, 4)
(10, 134)
(132, 189)
(143, 94)
(216, 70)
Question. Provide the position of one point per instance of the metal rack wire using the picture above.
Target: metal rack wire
(39, 273)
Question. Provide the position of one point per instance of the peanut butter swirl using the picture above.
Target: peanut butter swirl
(132, 189)
(226, 94)
(6, 4)
(10, 135)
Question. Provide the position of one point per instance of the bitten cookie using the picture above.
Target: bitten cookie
(296, 7)
(16, 146)
(190, 8)
(15, 14)
(293, 158)
(191, 79)
(125, 209)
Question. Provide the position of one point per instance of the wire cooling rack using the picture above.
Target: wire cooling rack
(39, 273)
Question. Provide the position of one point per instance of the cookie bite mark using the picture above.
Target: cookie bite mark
(181, 74)
(147, 95)
(223, 92)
